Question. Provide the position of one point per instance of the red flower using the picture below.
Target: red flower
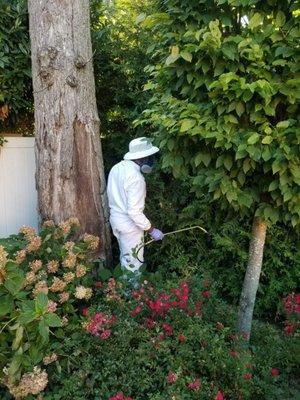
(274, 372)
(168, 329)
(219, 396)
(233, 353)
(195, 385)
(247, 376)
(120, 396)
(290, 327)
(181, 338)
(149, 323)
(206, 294)
(105, 334)
(85, 311)
(291, 303)
(171, 378)
(98, 285)
(137, 310)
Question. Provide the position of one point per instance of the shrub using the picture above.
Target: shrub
(174, 341)
(42, 279)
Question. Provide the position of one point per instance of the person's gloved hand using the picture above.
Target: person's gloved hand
(156, 234)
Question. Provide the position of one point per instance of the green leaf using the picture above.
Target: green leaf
(187, 124)
(229, 50)
(239, 108)
(171, 59)
(105, 274)
(27, 317)
(15, 364)
(267, 140)
(253, 138)
(41, 303)
(245, 199)
(14, 282)
(52, 320)
(255, 21)
(18, 337)
(280, 19)
(228, 162)
(186, 55)
(283, 124)
(273, 185)
(36, 355)
(6, 305)
(205, 158)
(44, 330)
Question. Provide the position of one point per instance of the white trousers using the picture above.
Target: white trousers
(131, 246)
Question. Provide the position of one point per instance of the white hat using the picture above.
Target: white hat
(140, 148)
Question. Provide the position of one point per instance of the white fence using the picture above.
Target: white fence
(18, 197)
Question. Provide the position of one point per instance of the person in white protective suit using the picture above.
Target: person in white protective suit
(126, 190)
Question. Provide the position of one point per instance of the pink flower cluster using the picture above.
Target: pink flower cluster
(290, 327)
(162, 304)
(291, 304)
(120, 396)
(99, 325)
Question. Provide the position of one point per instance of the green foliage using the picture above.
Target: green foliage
(224, 252)
(225, 95)
(15, 71)
(41, 280)
(120, 56)
(193, 343)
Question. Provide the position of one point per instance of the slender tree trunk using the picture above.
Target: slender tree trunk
(252, 275)
(70, 178)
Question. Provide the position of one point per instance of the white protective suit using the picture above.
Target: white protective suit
(126, 190)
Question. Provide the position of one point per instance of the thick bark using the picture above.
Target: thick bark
(252, 275)
(69, 177)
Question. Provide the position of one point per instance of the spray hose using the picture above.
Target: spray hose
(166, 234)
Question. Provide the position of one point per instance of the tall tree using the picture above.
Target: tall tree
(70, 177)
(226, 109)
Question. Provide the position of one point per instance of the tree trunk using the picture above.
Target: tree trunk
(252, 275)
(70, 177)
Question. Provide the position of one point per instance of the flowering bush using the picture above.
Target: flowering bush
(170, 342)
(42, 279)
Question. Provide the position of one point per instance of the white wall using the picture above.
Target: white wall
(18, 197)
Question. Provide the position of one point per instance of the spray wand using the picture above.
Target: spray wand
(169, 233)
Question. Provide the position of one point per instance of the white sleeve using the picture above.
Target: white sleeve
(136, 194)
